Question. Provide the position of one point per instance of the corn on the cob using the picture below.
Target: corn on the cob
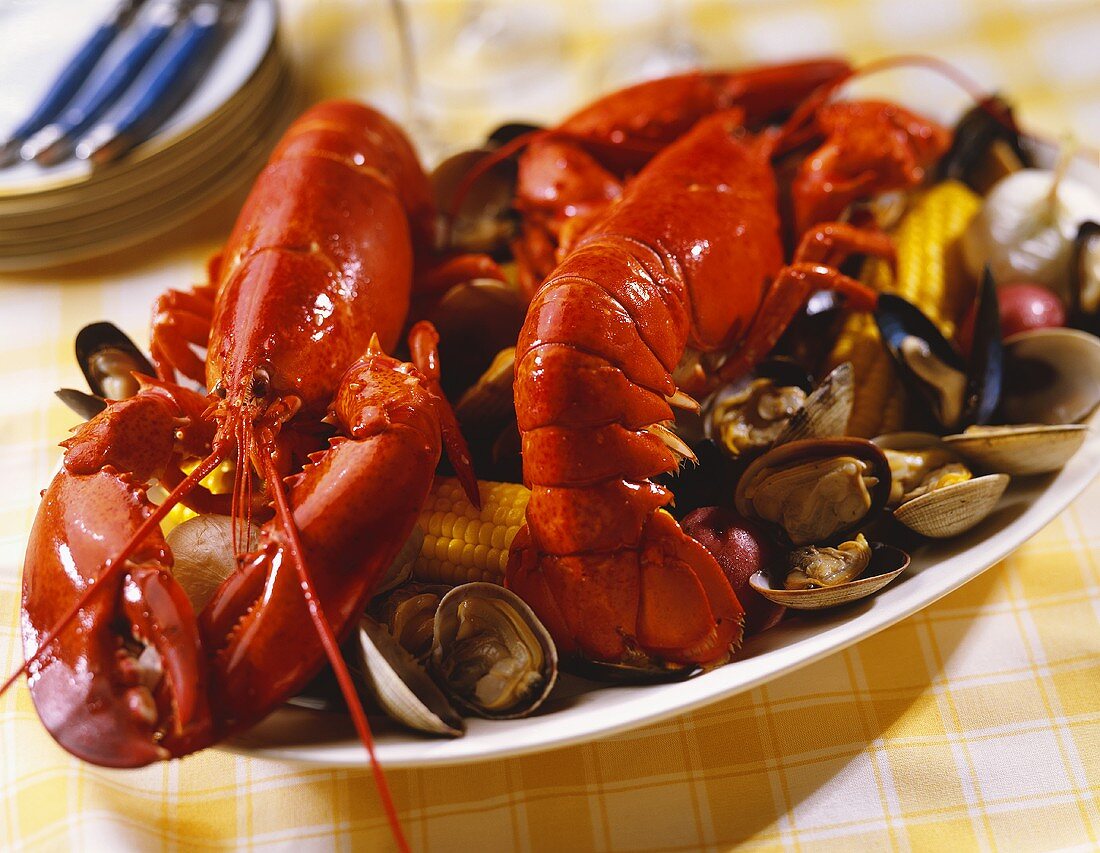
(463, 544)
(931, 275)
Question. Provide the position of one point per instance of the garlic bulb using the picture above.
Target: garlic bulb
(1026, 232)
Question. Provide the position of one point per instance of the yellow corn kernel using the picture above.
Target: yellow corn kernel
(463, 544)
(931, 275)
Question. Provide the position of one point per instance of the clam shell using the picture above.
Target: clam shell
(400, 685)
(907, 441)
(827, 410)
(887, 563)
(1020, 450)
(808, 450)
(1052, 376)
(953, 509)
(489, 404)
(446, 631)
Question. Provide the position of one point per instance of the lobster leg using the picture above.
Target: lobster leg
(821, 250)
(181, 319)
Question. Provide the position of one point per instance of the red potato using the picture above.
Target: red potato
(740, 547)
(1024, 306)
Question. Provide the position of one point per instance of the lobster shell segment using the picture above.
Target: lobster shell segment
(321, 257)
(613, 576)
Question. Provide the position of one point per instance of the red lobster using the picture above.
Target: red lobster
(569, 175)
(689, 256)
(313, 284)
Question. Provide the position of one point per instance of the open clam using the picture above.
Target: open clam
(1052, 376)
(408, 613)
(1019, 449)
(402, 687)
(932, 493)
(491, 652)
(815, 490)
(475, 321)
(884, 563)
(777, 405)
(483, 220)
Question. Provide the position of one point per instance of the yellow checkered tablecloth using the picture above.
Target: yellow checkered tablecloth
(974, 724)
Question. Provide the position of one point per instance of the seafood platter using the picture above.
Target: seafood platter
(587, 426)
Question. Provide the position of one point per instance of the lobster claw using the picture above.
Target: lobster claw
(100, 694)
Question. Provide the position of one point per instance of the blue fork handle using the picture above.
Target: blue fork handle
(170, 75)
(89, 106)
(75, 73)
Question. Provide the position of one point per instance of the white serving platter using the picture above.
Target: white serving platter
(581, 710)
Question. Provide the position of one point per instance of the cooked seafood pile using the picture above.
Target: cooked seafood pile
(719, 347)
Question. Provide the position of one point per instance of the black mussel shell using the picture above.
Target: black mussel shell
(620, 673)
(84, 404)
(977, 130)
(985, 373)
(103, 351)
(898, 319)
(1084, 308)
(512, 130)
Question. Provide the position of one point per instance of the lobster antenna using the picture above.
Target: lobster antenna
(118, 562)
(907, 60)
(332, 648)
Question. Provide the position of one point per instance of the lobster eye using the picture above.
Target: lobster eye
(219, 389)
(260, 382)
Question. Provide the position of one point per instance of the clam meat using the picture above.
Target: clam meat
(408, 613)
(491, 652)
(815, 490)
(917, 472)
(813, 499)
(813, 566)
(752, 417)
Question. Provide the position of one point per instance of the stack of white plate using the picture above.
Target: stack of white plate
(217, 140)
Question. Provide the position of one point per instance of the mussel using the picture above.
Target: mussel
(815, 490)
(933, 493)
(986, 146)
(959, 393)
(491, 652)
(1084, 307)
(107, 358)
